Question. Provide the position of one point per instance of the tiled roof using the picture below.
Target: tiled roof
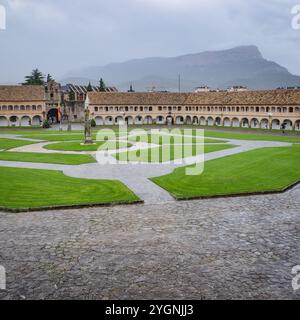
(22, 93)
(280, 97)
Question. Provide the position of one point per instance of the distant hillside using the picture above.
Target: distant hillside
(217, 69)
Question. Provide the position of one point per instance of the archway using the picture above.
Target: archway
(227, 122)
(53, 115)
(254, 124)
(288, 125)
(99, 121)
(160, 120)
(235, 122)
(245, 123)
(179, 120)
(276, 124)
(203, 121)
(119, 120)
(297, 125)
(14, 121)
(188, 120)
(210, 121)
(109, 121)
(25, 121)
(138, 120)
(36, 121)
(4, 122)
(129, 120)
(195, 120)
(218, 121)
(264, 124)
(148, 120)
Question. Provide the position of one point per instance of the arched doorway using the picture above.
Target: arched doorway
(254, 124)
(25, 121)
(53, 116)
(3, 122)
(227, 122)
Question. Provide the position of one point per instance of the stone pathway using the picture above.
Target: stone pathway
(233, 248)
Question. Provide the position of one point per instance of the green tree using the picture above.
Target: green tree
(102, 86)
(35, 78)
(89, 87)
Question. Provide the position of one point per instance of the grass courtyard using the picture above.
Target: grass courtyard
(26, 188)
(262, 170)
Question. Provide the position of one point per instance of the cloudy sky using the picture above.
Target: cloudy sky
(61, 35)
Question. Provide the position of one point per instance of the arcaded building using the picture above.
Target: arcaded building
(273, 109)
(22, 105)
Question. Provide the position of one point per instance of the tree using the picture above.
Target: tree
(35, 78)
(102, 86)
(89, 87)
(49, 78)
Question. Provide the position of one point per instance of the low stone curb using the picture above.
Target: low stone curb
(238, 195)
(66, 207)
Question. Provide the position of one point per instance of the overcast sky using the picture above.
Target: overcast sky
(61, 35)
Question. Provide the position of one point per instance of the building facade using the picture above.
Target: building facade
(274, 109)
(22, 106)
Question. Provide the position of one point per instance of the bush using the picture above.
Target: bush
(93, 123)
(46, 124)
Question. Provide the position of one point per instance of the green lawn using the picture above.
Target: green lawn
(54, 158)
(76, 146)
(163, 139)
(268, 169)
(168, 153)
(12, 143)
(251, 136)
(26, 188)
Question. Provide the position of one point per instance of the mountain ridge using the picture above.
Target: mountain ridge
(244, 65)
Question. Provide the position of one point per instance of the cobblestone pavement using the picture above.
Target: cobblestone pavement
(211, 249)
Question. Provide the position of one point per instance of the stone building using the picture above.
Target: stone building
(22, 105)
(273, 109)
(73, 99)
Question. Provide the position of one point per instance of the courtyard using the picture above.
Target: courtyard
(121, 231)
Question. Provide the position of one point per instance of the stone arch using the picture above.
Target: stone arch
(138, 120)
(25, 121)
(129, 120)
(245, 123)
(119, 120)
(202, 121)
(254, 123)
(297, 125)
(3, 121)
(195, 120)
(14, 121)
(148, 120)
(210, 121)
(276, 124)
(109, 121)
(235, 122)
(227, 122)
(179, 120)
(99, 121)
(36, 121)
(218, 121)
(288, 124)
(264, 124)
(160, 120)
(53, 115)
(188, 120)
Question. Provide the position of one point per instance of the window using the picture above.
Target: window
(96, 109)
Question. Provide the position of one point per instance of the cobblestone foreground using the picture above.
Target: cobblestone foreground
(223, 248)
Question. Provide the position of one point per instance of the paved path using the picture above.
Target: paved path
(233, 248)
